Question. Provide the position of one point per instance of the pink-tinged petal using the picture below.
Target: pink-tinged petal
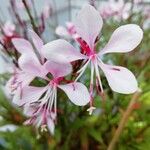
(37, 41)
(29, 109)
(51, 125)
(22, 45)
(17, 81)
(24, 78)
(88, 24)
(124, 39)
(62, 32)
(120, 79)
(32, 94)
(77, 93)
(61, 51)
(58, 69)
(30, 64)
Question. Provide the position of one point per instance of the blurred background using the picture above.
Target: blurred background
(75, 129)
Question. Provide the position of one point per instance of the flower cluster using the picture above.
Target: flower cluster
(50, 63)
(117, 9)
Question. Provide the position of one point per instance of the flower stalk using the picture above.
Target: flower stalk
(123, 121)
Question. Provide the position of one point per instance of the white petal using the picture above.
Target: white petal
(24, 75)
(77, 93)
(124, 39)
(58, 69)
(32, 94)
(38, 43)
(22, 45)
(88, 24)
(20, 78)
(61, 51)
(30, 64)
(120, 79)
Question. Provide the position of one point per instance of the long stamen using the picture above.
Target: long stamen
(83, 68)
(90, 110)
(46, 97)
(98, 76)
(99, 62)
(92, 73)
(91, 83)
(44, 114)
(81, 71)
(51, 96)
(45, 109)
(52, 101)
(55, 104)
(49, 101)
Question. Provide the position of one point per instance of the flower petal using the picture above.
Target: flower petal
(24, 75)
(124, 39)
(29, 109)
(38, 43)
(61, 51)
(32, 94)
(58, 69)
(30, 64)
(16, 83)
(22, 45)
(88, 24)
(120, 79)
(77, 93)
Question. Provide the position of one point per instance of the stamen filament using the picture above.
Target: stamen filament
(55, 104)
(98, 75)
(81, 71)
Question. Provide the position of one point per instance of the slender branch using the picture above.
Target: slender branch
(34, 9)
(8, 53)
(123, 121)
(15, 13)
(30, 16)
